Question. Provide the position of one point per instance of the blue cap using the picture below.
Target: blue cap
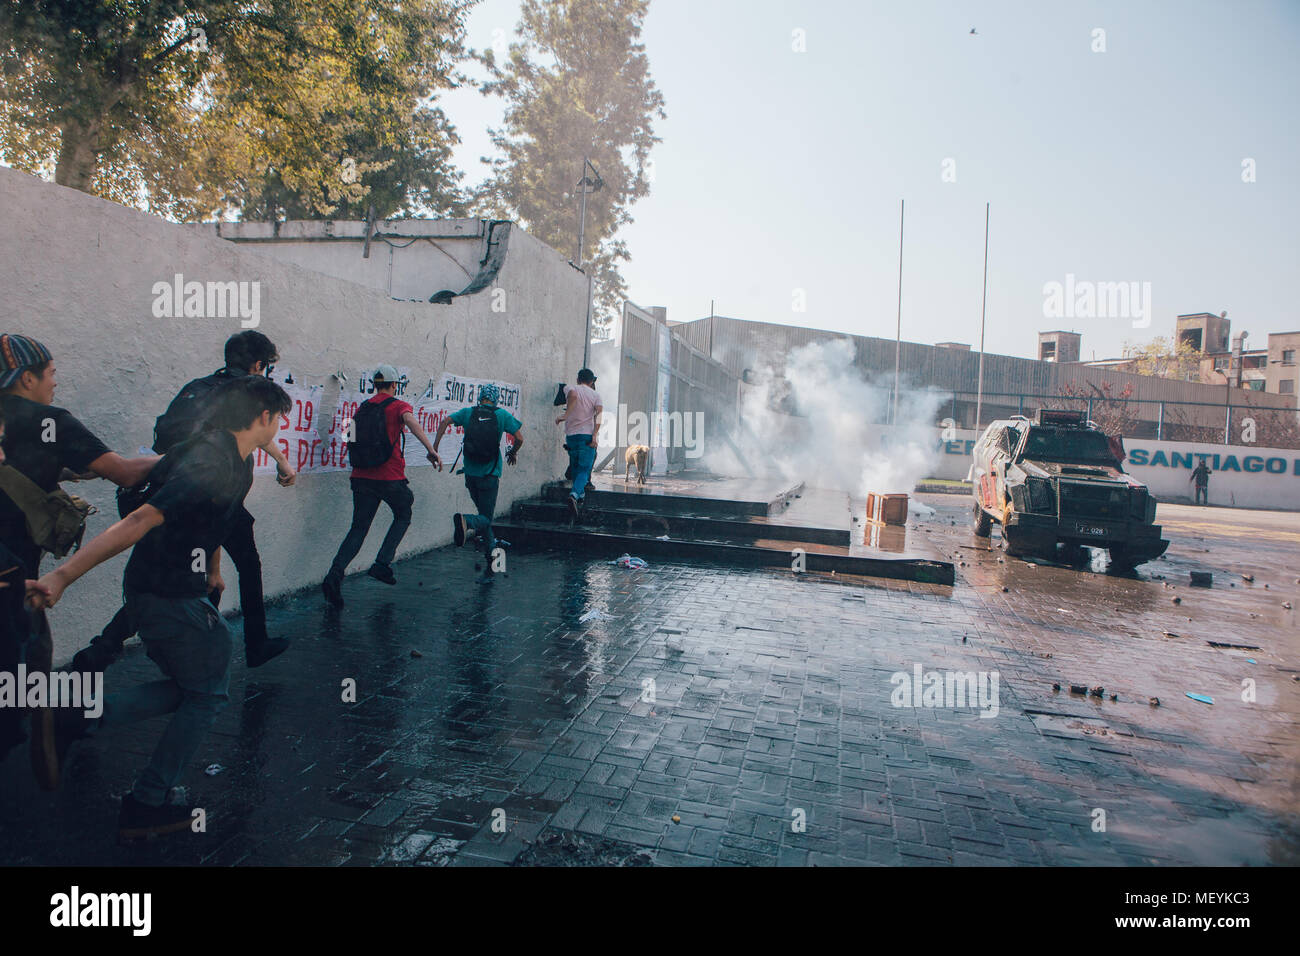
(488, 393)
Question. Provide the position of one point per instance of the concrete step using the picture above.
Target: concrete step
(760, 553)
(641, 523)
(721, 498)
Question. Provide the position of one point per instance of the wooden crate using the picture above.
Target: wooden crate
(887, 509)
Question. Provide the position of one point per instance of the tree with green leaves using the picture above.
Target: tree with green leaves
(576, 84)
(270, 109)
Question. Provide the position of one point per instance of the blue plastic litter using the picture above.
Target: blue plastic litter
(1201, 697)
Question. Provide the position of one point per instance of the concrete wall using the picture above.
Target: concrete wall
(409, 259)
(78, 272)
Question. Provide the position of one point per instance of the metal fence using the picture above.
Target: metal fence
(1162, 420)
(661, 374)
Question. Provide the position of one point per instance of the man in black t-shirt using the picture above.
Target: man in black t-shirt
(247, 353)
(176, 563)
(41, 440)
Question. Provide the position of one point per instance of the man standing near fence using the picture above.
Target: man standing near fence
(1201, 475)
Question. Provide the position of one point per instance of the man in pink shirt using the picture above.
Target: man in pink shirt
(581, 419)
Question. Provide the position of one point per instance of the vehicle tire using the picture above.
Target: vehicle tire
(1075, 555)
(1120, 558)
(1015, 547)
(982, 523)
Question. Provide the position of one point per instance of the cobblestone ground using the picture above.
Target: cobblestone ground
(770, 736)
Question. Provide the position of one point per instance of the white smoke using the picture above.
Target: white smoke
(831, 439)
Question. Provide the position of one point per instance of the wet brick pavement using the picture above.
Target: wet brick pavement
(771, 704)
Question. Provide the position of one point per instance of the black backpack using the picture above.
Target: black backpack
(482, 437)
(188, 412)
(371, 446)
(129, 499)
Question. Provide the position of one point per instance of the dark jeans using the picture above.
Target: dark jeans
(483, 492)
(1203, 491)
(367, 495)
(241, 547)
(581, 459)
(24, 638)
(190, 642)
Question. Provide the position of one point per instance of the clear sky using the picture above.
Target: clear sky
(782, 170)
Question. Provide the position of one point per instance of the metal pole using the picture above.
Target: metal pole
(586, 345)
(1160, 422)
(582, 229)
(898, 334)
(984, 296)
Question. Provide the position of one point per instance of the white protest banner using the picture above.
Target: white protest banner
(332, 454)
(297, 437)
(451, 393)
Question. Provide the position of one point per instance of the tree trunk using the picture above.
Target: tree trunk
(78, 153)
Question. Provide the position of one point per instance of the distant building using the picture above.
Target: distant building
(1283, 374)
(1203, 331)
(1059, 346)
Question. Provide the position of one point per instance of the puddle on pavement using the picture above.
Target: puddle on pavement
(566, 848)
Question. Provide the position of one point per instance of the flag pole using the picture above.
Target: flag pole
(984, 296)
(898, 332)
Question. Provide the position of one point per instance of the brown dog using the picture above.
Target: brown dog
(638, 455)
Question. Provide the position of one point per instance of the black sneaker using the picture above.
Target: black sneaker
(332, 590)
(573, 508)
(139, 820)
(382, 572)
(257, 653)
(458, 530)
(98, 656)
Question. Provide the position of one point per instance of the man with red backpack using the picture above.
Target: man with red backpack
(378, 477)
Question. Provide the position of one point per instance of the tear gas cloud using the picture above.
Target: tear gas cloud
(838, 444)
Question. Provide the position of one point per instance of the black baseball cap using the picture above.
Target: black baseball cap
(586, 375)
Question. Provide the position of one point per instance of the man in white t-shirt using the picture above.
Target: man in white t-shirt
(581, 419)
